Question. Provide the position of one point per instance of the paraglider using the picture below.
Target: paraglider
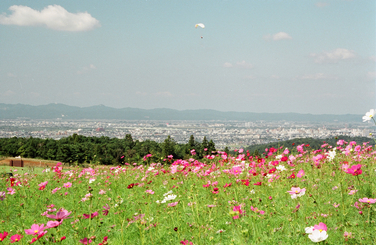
(200, 25)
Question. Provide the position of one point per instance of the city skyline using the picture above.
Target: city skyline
(314, 57)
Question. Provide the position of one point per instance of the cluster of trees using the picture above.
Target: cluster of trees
(314, 144)
(112, 151)
(102, 150)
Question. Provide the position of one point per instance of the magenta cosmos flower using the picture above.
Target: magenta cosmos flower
(90, 216)
(35, 229)
(355, 170)
(60, 215)
(367, 200)
(15, 238)
(3, 236)
(106, 208)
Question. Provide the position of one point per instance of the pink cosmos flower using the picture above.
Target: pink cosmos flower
(296, 192)
(67, 185)
(173, 204)
(2, 195)
(15, 238)
(60, 215)
(321, 227)
(43, 184)
(238, 209)
(150, 192)
(53, 224)
(352, 192)
(106, 208)
(55, 190)
(367, 200)
(256, 210)
(84, 199)
(101, 192)
(227, 185)
(85, 241)
(236, 170)
(300, 173)
(11, 191)
(3, 236)
(35, 229)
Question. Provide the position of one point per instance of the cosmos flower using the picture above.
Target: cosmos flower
(35, 229)
(60, 215)
(317, 233)
(369, 115)
(367, 200)
(296, 192)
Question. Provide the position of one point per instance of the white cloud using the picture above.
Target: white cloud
(334, 56)
(86, 69)
(244, 64)
(371, 75)
(278, 36)
(321, 4)
(250, 77)
(281, 35)
(317, 76)
(163, 94)
(141, 93)
(8, 93)
(53, 17)
(239, 64)
(227, 65)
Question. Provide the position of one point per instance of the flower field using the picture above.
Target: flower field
(327, 195)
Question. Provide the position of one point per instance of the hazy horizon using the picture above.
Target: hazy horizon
(310, 57)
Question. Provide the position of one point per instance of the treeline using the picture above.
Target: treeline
(314, 144)
(103, 150)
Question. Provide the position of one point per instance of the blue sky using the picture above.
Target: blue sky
(259, 56)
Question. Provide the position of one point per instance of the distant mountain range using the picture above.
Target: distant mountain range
(54, 111)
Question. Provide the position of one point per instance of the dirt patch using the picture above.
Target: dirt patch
(30, 163)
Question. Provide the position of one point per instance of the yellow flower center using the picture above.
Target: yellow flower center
(320, 230)
(36, 231)
(368, 201)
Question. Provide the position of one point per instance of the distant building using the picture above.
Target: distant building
(100, 130)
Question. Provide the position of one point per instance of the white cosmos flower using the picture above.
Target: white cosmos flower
(331, 154)
(369, 115)
(318, 236)
(281, 167)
